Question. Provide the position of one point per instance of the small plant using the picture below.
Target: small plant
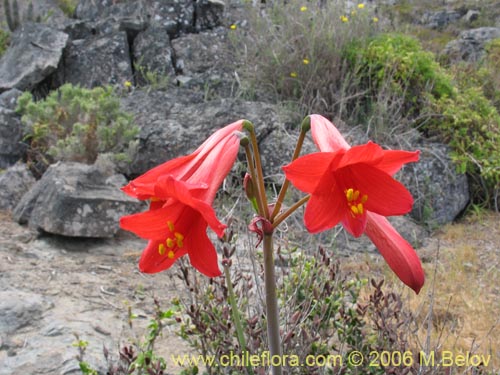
(137, 357)
(76, 124)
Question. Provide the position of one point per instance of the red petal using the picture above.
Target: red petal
(326, 135)
(169, 187)
(323, 212)
(369, 153)
(394, 159)
(184, 167)
(202, 254)
(354, 224)
(306, 172)
(151, 261)
(152, 224)
(386, 196)
(397, 252)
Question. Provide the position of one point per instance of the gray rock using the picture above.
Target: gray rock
(470, 44)
(76, 200)
(19, 309)
(153, 56)
(471, 16)
(108, 59)
(14, 183)
(11, 146)
(33, 55)
(440, 19)
(176, 122)
(208, 14)
(203, 62)
(8, 99)
(174, 16)
(440, 193)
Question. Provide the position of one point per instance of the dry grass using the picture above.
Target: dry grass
(458, 308)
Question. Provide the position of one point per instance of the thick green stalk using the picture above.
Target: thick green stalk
(236, 315)
(272, 312)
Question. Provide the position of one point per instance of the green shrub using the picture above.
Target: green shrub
(76, 124)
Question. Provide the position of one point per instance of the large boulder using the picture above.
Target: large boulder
(440, 19)
(34, 54)
(98, 61)
(11, 146)
(470, 44)
(76, 200)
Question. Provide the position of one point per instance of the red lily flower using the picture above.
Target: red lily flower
(181, 192)
(354, 185)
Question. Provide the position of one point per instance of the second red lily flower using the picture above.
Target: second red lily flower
(355, 186)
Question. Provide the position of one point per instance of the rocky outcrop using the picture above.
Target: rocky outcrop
(76, 200)
(34, 54)
(98, 61)
(470, 44)
(440, 19)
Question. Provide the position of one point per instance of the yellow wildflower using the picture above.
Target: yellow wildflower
(305, 61)
(293, 75)
(303, 8)
(361, 6)
(127, 84)
(232, 27)
(375, 19)
(344, 19)
(353, 12)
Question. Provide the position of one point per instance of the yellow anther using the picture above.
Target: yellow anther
(170, 243)
(180, 243)
(170, 226)
(178, 236)
(171, 254)
(161, 249)
(364, 198)
(154, 199)
(360, 208)
(349, 193)
(354, 210)
(355, 195)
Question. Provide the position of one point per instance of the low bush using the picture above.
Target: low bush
(76, 124)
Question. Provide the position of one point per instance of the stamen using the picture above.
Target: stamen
(180, 243)
(170, 243)
(356, 201)
(355, 196)
(171, 254)
(170, 226)
(161, 249)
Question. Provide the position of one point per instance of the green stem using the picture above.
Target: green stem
(290, 211)
(260, 175)
(251, 169)
(272, 313)
(236, 315)
(306, 125)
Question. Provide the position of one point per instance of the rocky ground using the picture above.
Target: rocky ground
(53, 288)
